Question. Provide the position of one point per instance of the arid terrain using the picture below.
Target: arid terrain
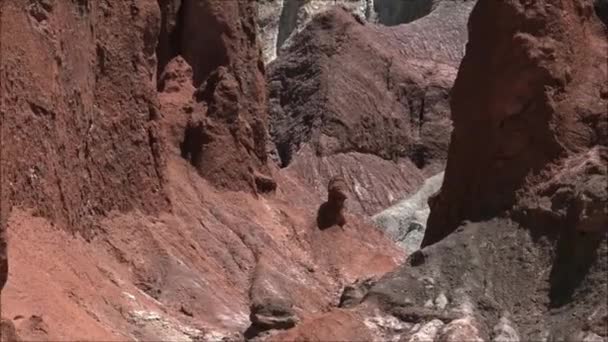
(291, 170)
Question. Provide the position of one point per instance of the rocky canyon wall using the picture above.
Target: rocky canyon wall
(526, 121)
(225, 132)
(137, 198)
(158, 181)
(280, 19)
(368, 102)
(79, 135)
(516, 247)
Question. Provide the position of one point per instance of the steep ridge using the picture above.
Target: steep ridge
(516, 246)
(357, 100)
(278, 20)
(136, 198)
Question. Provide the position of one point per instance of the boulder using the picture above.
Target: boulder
(271, 314)
(332, 211)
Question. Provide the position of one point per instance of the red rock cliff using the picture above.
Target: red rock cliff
(530, 93)
(225, 127)
(79, 134)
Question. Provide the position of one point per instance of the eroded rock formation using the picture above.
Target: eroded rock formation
(279, 19)
(65, 151)
(271, 314)
(140, 203)
(331, 212)
(367, 102)
(550, 108)
(516, 248)
(135, 191)
(224, 133)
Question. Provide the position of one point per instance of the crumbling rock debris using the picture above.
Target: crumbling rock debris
(274, 313)
(331, 212)
(336, 325)
(354, 293)
(504, 331)
(421, 314)
(462, 329)
(586, 336)
(427, 332)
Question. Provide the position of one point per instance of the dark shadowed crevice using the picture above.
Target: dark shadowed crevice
(288, 20)
(601, 10)
(202, 38)
(195, 138)
(206, 93)
(193, 30)
(169, 38)
(391, 12)
(418, 155)
(576, 253)
(285, 154)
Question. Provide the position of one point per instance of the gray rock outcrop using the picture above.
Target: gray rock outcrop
(405, 221)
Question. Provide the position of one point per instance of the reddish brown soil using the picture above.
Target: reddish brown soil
(198, 267)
